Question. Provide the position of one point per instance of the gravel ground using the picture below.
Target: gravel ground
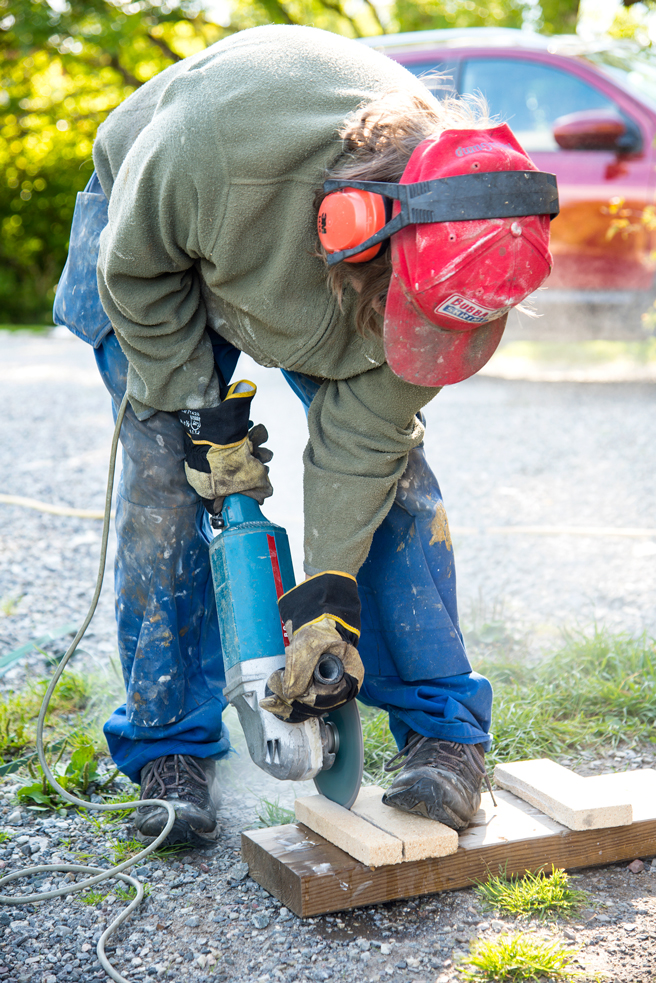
(206, 920)
(507, 452)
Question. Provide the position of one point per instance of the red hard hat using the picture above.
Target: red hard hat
(453, 282)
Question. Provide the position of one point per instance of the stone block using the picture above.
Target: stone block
(578, 803)
(637, 787)
(421, 837)
(374, 833)
(357, 837)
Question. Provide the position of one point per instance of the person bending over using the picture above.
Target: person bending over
(206, 231)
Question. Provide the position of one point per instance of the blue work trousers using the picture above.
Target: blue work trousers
(416, 666)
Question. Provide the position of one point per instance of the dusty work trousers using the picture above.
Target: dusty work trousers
(416, 667)
(415, 664)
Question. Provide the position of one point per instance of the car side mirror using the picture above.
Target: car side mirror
(596, 129)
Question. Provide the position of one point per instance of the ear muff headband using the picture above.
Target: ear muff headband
(346, 218)
(461, 198)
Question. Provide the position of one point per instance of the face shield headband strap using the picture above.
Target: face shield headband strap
(461, 198)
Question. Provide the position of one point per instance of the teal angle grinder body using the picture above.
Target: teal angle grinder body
(251, 567)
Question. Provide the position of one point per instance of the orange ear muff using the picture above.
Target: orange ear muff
(348, 217)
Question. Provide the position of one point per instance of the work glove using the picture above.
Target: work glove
(322, 667)
(222, 455)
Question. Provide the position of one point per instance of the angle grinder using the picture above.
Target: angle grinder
(251, 568)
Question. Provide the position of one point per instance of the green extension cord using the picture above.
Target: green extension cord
(100, 873)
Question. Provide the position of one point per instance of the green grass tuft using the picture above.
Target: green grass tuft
(271, 813)
(595, 691)
(75, 741)
(123, 848)
(379, 746)
(91, 897)
(129, 893)
(19, 712)
(9, 603)
(97, 897)
(519, 959)
(537, 894)
(101, 821)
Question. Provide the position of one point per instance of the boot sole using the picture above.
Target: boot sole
(180, 833)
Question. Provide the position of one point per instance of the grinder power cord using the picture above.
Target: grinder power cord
(99, 874)
(314, 729)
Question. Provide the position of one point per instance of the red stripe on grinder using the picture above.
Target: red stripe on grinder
(277, 578)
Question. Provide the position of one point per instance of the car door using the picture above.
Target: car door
(599, 189)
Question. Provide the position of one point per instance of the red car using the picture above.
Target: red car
(588, 115)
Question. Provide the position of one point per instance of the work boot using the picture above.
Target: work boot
(188, 783)
(439, 779)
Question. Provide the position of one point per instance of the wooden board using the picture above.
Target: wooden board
(311, 876)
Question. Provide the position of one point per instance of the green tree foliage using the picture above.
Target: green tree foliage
(61, 73)
(65, 64)
(559, 16)
(410, 15)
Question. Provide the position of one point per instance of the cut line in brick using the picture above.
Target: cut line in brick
(357, 837)
(373, 833)
(421, 837)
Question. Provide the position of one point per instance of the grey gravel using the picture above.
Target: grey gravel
(506, 453)
(238, 872)
(560, 455)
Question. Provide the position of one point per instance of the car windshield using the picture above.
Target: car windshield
(634, 69)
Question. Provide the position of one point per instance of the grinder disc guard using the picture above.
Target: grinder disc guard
(342, 782)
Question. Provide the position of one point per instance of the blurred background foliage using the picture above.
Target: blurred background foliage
(65, 64)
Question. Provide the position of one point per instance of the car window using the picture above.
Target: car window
(426, 69)
(530, 96)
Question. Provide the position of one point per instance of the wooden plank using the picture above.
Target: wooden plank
(639, 787)
(312, 876)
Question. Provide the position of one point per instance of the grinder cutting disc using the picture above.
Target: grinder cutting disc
(341, 783)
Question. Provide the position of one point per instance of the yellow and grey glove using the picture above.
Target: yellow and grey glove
(322, 667)
(223, 456)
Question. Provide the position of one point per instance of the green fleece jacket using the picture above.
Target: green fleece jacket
(210, 170)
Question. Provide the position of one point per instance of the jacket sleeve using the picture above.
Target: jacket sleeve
(361, 432)
(165, 210)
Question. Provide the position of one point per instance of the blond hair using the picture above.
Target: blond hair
(379, 140)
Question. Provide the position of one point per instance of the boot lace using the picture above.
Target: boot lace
(178, 773)
(447, 749)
